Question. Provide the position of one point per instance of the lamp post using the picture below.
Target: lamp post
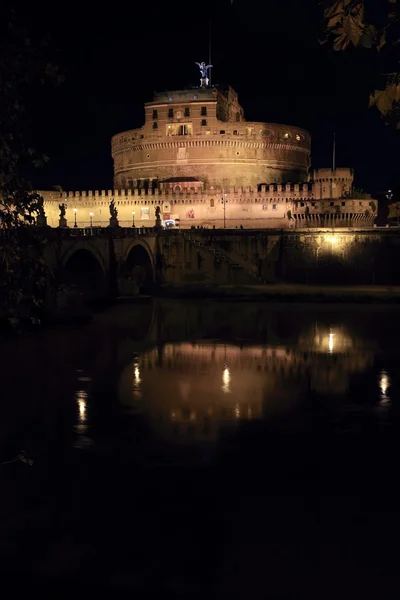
(91, 219)
(75, 224)
(224, 201)
(133, 218)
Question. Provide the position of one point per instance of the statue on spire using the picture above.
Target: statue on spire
(204, 73)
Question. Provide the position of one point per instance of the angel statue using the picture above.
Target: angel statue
(62, 208)
(113, 209)
(204, 70)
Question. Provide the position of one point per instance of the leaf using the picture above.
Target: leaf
(353, 28)
(335, 8)
(334, 20)
(384, 99)
(366, 40)
(341, 42)
(382, 41)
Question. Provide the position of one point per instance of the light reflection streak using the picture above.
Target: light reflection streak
(331, 342)
(384, 384)
(81, 399)
(136, 380)
(81, 425)
(226, 379)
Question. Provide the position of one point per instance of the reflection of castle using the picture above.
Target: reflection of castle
(190, 391)
(198, 158)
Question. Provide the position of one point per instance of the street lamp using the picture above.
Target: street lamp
(75, 209)
(91, 219)
(133, 218)
(224, 201)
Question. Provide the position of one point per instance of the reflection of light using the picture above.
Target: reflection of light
(237, 411)
(136, 374)
(330, 343)
(81, 399)
(332, 239)
(226, 379)
(136, 379)
(384, 384)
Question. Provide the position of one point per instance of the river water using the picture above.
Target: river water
(204, 448)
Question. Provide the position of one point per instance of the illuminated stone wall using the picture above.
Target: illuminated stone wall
(202, 133)
(274, 206)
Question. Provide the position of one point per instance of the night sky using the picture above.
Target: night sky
(113, 59)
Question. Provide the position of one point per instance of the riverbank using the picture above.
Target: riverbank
(287, 293)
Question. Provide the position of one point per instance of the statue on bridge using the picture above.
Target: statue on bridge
(62, 208)
(113, 209)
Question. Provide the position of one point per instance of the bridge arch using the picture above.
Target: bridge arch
(138, 266)
(83, 269)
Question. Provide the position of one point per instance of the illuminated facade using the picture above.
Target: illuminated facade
(203, 164)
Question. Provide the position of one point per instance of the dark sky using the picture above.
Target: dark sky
(114, 55)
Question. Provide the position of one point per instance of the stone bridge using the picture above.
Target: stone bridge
(102, 262)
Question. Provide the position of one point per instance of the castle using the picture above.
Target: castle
(203, 164)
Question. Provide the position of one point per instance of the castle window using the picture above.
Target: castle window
(194, 97)
(212, 203)
(237, 153)
(170, 113)
(155, 125)
(204, 122)
(360, 204)
(237, 117)
(331, 204)
(235, 132)
(187, 111)
(265, 207)
(222, 131)
(343, 203)
(312, 203)
(274, 207)
(204, 111)
(183, 130)
(155, 114)
(301, 203)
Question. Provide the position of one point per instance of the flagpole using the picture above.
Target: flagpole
(209, 50)
(334, 152)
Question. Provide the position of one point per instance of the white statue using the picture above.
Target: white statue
(204, 69)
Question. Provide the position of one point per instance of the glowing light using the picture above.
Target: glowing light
(286, 135)
(237, 411)
(136, 373)
(331, 342)
(226, 379)
(75, 209)
(384, 384)
(136, 380)
(91, 214)
(298, 138)
(81, 400)
(332, 239)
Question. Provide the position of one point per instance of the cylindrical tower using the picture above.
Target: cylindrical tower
(202, 134)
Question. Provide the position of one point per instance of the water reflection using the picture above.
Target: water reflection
(81, 403)
(384, 384)
(181, 393)
(226, 379)
(136, 380)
